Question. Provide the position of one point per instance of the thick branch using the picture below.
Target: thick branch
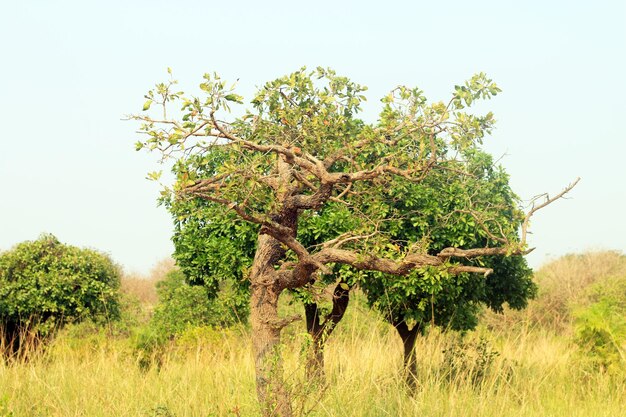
(312, 201)
(448, 253)
(390, 266)
(373, 263)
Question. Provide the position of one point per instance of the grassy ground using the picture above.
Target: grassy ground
(536, 372)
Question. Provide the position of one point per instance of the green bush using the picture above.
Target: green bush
(182, 307)
(600, 324)
(45, 284)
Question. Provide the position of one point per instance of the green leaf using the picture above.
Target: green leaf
(234, 97)
(147, 104)
(154, 176)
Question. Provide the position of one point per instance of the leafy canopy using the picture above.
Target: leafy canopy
(45, 284)
(334, 159)
(465, 203)
(453, 209)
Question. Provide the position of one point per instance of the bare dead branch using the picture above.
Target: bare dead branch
(547, 201)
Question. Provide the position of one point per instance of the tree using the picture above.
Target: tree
(300, 150)
(212, 248)
(45, 284)
(434, 213)
(437, 212)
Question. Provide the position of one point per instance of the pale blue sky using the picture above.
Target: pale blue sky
(70, 71)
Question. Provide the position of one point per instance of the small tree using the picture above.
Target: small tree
(301, 150)
(449, 208)
(452, 209)
(45, 284)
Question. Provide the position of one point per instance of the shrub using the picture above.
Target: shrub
(45, 284)
(600, 324)
(181, 307)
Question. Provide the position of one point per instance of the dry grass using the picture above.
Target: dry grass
(538, 371)
(536, 374)
(562, 281)
(561, 285)
(143, 287)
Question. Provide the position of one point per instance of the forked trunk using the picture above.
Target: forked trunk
(409, 337)
(321, 331)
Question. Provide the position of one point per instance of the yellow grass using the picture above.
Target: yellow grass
(538, 372)
(143, 287)
(561, 286)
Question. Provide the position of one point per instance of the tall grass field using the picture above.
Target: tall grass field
(543, 361)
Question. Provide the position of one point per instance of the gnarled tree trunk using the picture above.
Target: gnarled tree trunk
(273, 395)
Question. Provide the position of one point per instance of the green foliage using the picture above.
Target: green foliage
(211, 246)
(183, 308)
(470, 205)
(45, 284)
(310, 112)
(182, 305)
(466, 202)
(600, 325)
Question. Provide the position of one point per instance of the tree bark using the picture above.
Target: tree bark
(315, 355)
(266, 325)
(409, 337)
(321, 331)
(9, 340)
